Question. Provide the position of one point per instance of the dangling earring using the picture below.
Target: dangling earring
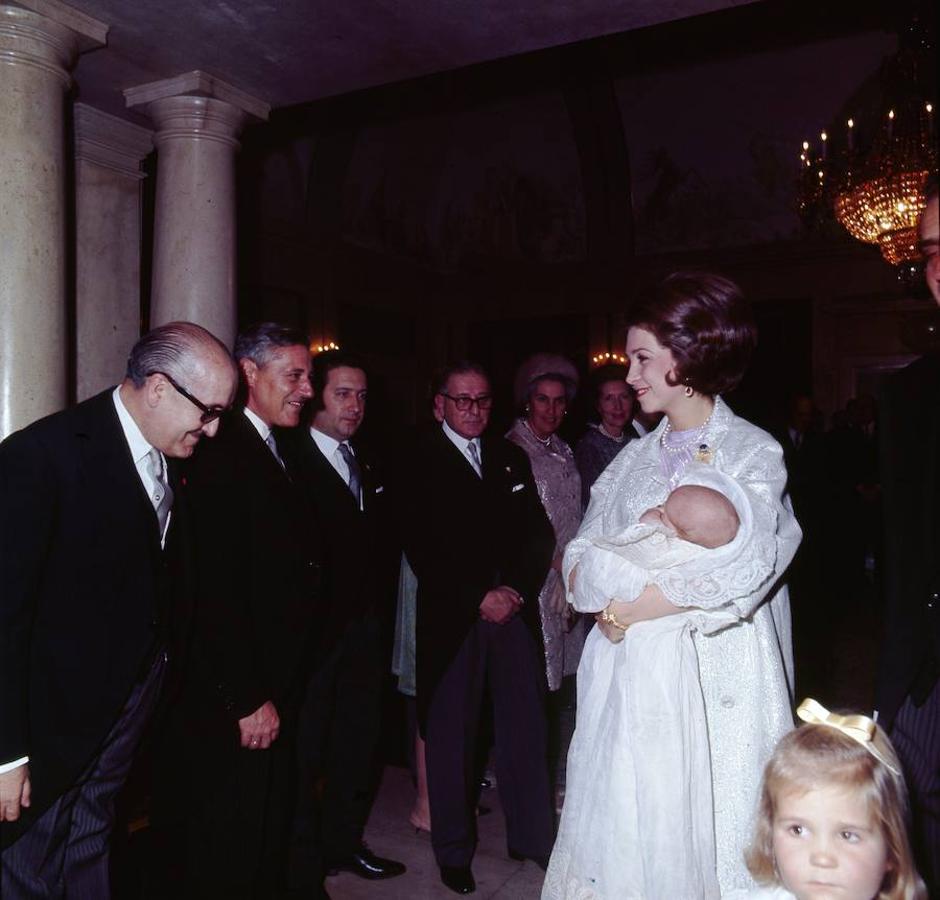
(689, 390)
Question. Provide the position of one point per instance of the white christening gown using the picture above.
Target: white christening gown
(676, 721)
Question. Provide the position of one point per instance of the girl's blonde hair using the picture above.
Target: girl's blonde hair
(819, 755)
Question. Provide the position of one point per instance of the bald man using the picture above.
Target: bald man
(90, 557)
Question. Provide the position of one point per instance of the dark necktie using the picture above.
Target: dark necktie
(355, 473)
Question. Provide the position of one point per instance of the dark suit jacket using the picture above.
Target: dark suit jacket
(258, 571)
(464, 536)
(910, 454)
(84, 591)
(361, 552)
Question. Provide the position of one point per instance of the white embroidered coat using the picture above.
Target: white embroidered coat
(745, 668)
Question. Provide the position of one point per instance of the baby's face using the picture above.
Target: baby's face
(696, 514)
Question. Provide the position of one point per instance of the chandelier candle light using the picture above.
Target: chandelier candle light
(877, 193)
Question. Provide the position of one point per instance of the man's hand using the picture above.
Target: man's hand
(14, 792)
(261, 728)
(500, 605)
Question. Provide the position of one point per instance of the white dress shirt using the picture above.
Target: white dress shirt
(140, 449)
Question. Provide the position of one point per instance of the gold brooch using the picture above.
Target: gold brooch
(703, 454)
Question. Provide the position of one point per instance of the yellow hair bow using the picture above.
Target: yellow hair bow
(860, 728)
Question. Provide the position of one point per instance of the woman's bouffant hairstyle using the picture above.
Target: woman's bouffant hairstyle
(544, 367)
(814, 756)
(706, 323)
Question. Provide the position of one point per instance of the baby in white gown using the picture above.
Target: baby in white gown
(646, 828)
(693, 519)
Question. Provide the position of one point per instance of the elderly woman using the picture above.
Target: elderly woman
(618, 837)
(545, 385)
(613, 402)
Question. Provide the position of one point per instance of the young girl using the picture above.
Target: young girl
(831, 820)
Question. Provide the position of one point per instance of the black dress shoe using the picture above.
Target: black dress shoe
(459, 879)
(364, 863)
(540, 861)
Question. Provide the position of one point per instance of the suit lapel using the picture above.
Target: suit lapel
(105, 454)
(260, 454)
(326, 474)
(457, 462)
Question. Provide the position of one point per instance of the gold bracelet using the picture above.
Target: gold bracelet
(608, 617)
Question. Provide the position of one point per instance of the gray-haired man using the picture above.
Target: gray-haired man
(224, 763)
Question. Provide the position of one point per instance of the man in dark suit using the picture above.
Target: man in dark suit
(226, 756)
(908, 687)
(90, 547)
(480, 545)
(341, 715)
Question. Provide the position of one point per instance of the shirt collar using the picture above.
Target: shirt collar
(458, 440)
(139, 445)
(260, 425)
(326, 443)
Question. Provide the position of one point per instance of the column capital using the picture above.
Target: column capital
(109, 141)
(197, 84)
(196, 106)
(47, 35)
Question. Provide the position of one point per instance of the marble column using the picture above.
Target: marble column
(38, 48)
(197, 119)
(108, 153)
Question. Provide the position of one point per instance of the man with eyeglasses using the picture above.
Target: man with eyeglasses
(480, 545)
(222, 797)
(94, 546)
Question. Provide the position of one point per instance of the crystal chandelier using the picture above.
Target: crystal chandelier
(875, 188)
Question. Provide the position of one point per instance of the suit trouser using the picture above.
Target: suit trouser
(220, 814)
(338, 732)
(66, 849)
(916, 737)
(506, 659)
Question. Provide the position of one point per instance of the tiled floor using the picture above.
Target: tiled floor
(390, 834)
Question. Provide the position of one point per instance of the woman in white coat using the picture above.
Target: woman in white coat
(626, 831)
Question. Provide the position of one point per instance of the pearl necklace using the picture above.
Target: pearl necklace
(697, 439)
(543, 441)
(607, 434)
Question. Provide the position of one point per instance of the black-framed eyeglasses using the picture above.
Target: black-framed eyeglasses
(209, 413)
(484, 401)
